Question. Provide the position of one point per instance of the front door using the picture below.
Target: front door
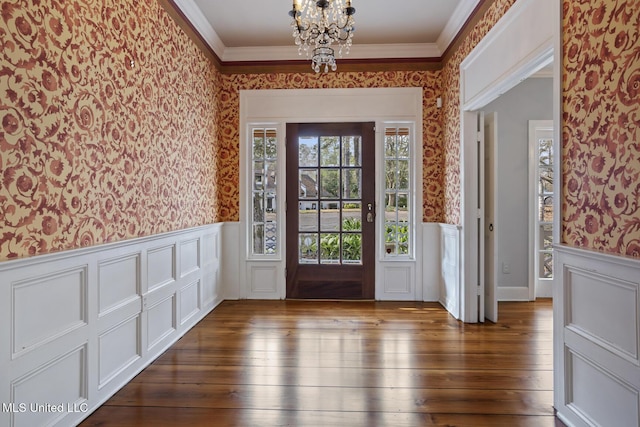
(330, 210)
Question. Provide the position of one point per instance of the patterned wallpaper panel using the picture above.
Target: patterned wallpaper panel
(230, 120)
(108, 122)
(451, 107)
(601, 125)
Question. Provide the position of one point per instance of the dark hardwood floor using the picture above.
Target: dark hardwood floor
(306, 363)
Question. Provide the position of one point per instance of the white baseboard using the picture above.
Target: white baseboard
(513, 293)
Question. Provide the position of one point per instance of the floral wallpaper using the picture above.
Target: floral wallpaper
(451, 107)
(230, 120)
(108, 121)
(601, 125)
(115, 125)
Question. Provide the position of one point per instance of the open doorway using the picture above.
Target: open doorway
(511, 206)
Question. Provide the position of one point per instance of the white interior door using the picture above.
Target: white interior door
(490, 281)
(480, 229)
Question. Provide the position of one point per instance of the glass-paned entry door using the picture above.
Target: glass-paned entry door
(330, 210)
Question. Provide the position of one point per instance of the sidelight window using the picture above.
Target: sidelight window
(264, 224)
(397, 196)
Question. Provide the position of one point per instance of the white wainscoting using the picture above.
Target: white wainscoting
(596, 338)
(450, 285)
(396, 280)
(431, 261)
(76, 326)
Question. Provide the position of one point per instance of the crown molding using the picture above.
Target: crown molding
(360, 51)
(196, 18)
(456, 22)
(373, 57)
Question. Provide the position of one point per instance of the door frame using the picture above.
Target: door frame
(525, 40)
(264, 278)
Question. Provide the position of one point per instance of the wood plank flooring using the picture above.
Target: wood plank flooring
(329, 363)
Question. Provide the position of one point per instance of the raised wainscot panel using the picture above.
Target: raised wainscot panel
(189, 257)
(599, 305)
(398, 280)
(161, 321)
(450, 285)
(118, 348)
(210, 249)
(58, 388)
(600, 398)
(118, 283)
(263, 279)
(48, 307)
(161, 267)
(189, 301)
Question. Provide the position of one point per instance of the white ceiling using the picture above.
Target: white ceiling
(254, 30)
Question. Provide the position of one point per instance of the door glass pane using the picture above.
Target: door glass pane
(351, 151)
(308, 248)
(352, 248)
(308, 184)
(329, 151)
(308, 151)
(352, 216)
(330, 216)
(330, 183)
(351, 182)
(308, 216)
(330, 248)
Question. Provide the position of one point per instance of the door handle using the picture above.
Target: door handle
(371, 213)
(490, 227)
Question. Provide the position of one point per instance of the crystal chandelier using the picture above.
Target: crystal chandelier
(317, 24)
